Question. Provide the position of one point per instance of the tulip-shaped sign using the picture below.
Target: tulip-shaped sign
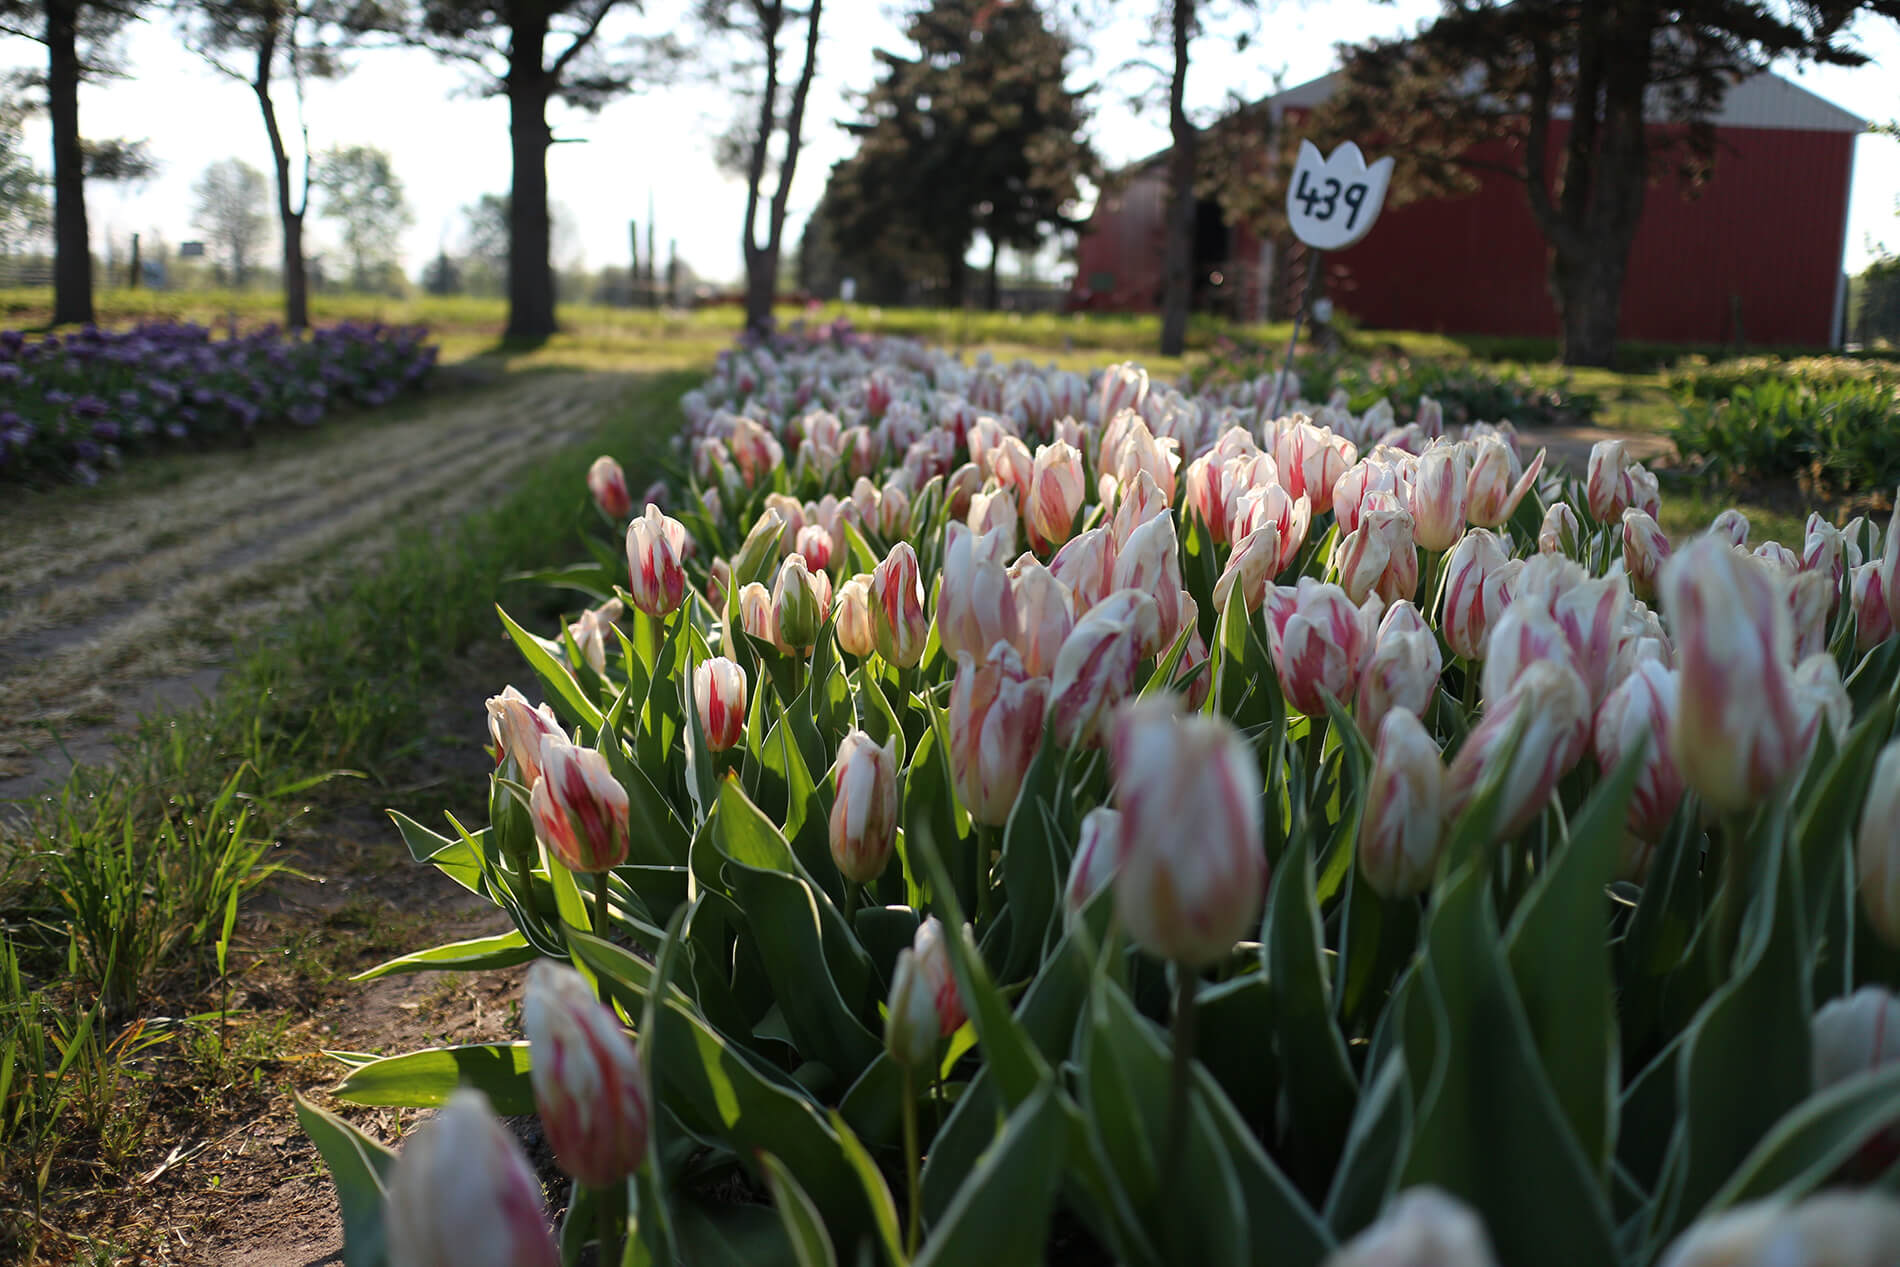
(1333, 200)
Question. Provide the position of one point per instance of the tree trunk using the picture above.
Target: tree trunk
(1588, 286)
(1178, 254)
(954, 271)
(72, 246)
(289, 214)
(992, 293)
(761, 288)
(530, 276)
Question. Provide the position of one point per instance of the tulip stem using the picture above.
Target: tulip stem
(984, 836)
(604, 1201)
(1186, 987)
(914, 1216)
(601, 904)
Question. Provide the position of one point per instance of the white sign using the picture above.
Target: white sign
(1333, 201)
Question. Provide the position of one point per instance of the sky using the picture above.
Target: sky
(450, 146)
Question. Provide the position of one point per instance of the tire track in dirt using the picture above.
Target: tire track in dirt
(141, 626)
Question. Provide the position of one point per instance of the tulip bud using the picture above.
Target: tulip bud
(1379, 558)
(801, 601)
(1095, 670)
(1855, 1034)
(719, 691)
(1141, 501)
(718, 582)
(754, 451)
(1423, 1227)
(608, 483)
(1140, 451)
(1605, 489)
(1524, 633)
(1561, 533)
(1873, 620)
(976, 604)
(579, 808)
(461, 1192)
(792, 512)
(1402, 671)
(1097, 857)
(1440, 488)
(1266, 504)
(1877, 848)
(815, 546)
(1593, 612)
(760, 547)
(759, 618)
(1890, 564)
(1150, 561)
(1475, 591)
(897, 608)
(855, 630)
(1738, 728)
(1824, 551)
(1011, 466)
(712, 505)
(1045, 615)
(655, 547)
(1056, 492)
(1086, 565)
(1311, 459)
(893, 511)
(1373, 475)
(864, 813)
(589, 1087)
(1320, 641)
(1642, 710)
(1779, 557)
(1491, 497)
(1836, 1228)
(933, 961)
(1550, 710)
(1140, 612)
(996, 717)
(910, 1023)
(1194, 865)
(518, 731)
(1731, 526)
(589, 633)
(1210, 494)
(1645, 549)
(1403, 819)
(994, 512)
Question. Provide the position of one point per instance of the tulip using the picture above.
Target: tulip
(1491, 497)
(1605, 485)
(1011, 466)
(976, 604)
(1210, 493)
(1121, 387)
(1266, 504)
(996, 719)
(754, 451)
(711, 505)
(1561, 532)
(719, 691)
(1836, 1228)
(1097, 857)
(589, 634)
(589, 1087)
(1854, 1035)
(1056, 492)
(1320, 641)
(1373, 475)
(1252, 566)
(1549, 710)
(910, 1023)
(1087, 566)
(1403, 819)
(815, 546)
(792, 513)
(1140, 451)
(1645, 549)
(1811, 601)
(579, 808)
(461, 1194)
(1877, 848)
(994, 511)
(1738, 727)
(1593, 612)
(518, 731)
(801, 601)
(1890, 564)
(1402, 671)
(893, 511)
(1523, 634)
(933, 961)
(1873, 620)
(1311, 459)
(1379, 558)
(1140, 500)
(760, 546)
(655, 547)
(1095, 670)
(864, 813)
(1045, 615)
(1150, 561)
(1477, 579)
(1642, 710)
(1643, 490)
(855, 630)
(1731, 526)
(1142, 615)
(1824, 551)
(1423, 1227)
(1779, 557)
(759, 618)
(897, 607)
(1194, 867)
(1440, 490)
(608, 483)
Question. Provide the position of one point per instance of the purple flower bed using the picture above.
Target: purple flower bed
(73, 405)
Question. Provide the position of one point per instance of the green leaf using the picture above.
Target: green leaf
(1814, 1140)
(454, 858)
(504, 950)
(876, 1191)
(595, 580)
(1000, 1217)
(804, 1228)
(361, 1168)
(1034, 862)
(567, 695)
(1381, 1134)
(426, 1078)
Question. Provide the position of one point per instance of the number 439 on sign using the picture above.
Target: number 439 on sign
(1333, 201)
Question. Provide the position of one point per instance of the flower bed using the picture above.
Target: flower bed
(1839, 434)
(72, 405)
(1029, 817)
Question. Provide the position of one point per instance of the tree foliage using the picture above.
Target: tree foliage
(23, 207)
(362, 194)
(229, 201)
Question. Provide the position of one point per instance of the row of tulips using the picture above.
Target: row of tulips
(1029, 816)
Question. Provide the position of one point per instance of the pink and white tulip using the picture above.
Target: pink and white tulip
(656, 549)
(863, 825)
(579, 809)
(461, 1194)
(589, 1086)
(719, 692)
(1403, 822)
(1320, 641)
(897, 608)
(996, 724)
(1056, 492)
(608, 484)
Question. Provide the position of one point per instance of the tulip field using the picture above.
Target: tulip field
(973, 812)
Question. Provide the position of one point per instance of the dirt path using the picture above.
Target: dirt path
(132, 601)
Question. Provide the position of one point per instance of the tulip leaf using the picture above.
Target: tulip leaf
(1489, 1129)
(807, 825)
(876, 1191)
(1824, 826)
(504, 950)
(1034, 861)
(426, 1078)
(931, 810)
(567, 697)
(1235, 1028)
(1000, 1216)
(458, 860)
(1814, 1140)
(1663, 927)
(734, 1236)
(804, 1227)
(596, 580)
(360, 1166)
(1376, 1145)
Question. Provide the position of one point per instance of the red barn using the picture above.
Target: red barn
(1754, 256)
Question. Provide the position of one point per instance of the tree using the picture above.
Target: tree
(301, 38)
(1477, 90)
(746, 149)
(229, 210)
(23, 209)
(363, 194)
(977, 131)
(73, 32)
(485, 244)
(506, 41)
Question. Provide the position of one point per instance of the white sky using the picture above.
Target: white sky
(450, 147)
